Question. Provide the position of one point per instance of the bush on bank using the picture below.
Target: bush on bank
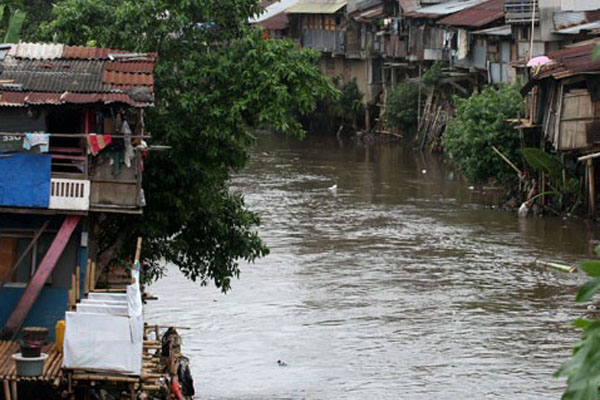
(480, 123)
(401, 107)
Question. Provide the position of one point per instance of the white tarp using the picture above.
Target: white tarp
(103, 309)
(108, 296)
(107, 302)
(103, 341)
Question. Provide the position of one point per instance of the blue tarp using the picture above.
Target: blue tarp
(25, 180)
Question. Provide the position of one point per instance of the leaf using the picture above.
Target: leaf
(592, 268)
(588, 290)
(544, 162)
(15, 24)
(582, 323)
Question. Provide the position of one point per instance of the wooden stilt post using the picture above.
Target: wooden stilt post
(592, 187)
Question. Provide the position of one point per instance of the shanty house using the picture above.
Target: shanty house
(478, 52)
(429, 41)
(567, 106)
(319, 24)
(71, 149)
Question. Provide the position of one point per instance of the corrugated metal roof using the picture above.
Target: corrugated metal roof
(275, 23)
(75, 74)
(21, 99)
(409, 5)
(133, 67)
(574, 60)
(37, 51)
(567, 19)
(563, 19)
(477, 16)
(589, 28)
(504, 30)
(442, 9)
(370, 14)
(273, 10)
(124, 78)
(316, 7)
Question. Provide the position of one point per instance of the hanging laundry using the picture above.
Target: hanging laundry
(463, 44)
(37, 139)
(129, 153)
(98, 142)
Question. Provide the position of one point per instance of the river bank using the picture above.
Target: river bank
(400, 283)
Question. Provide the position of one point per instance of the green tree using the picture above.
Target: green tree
(583, 369)
(480, 123)
(216, 81)
(402, 106)
(11, 22)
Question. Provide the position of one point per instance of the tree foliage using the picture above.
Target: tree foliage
(341, 107)
(480, 123)
(216, 80)
(583, 369)
(11, 22)
(402, 106)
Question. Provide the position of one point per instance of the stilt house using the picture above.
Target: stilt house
(71, 149)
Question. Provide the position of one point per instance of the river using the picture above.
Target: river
(401, 284)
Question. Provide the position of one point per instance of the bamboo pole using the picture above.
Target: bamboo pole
(72, 291)
(507, 160)
(14, 391)
(560, 267)
(86, 284)
(138, 250)
(77, 283)
(93, 276)
(592, 187)
(6, 390)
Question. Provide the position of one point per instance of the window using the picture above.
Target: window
(330, 23)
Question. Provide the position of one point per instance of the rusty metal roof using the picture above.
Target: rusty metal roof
(42, 73)
(442, 9)
(276, 22)
(504, 30)
(574, 60)
(575, 23)
(476, 16)
(21, 99)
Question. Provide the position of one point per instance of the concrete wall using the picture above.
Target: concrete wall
(345, 70)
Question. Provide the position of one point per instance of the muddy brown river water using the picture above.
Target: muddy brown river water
(401, 284)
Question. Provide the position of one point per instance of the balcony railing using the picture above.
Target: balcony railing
(521, 11)
(82, 182)
(69, 194)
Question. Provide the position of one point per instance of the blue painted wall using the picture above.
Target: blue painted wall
(48, 308)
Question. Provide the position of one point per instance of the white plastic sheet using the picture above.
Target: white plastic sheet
(108, 296)
(103, 309)
(102, 340)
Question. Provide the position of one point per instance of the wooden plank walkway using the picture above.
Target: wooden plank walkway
(52, 365)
